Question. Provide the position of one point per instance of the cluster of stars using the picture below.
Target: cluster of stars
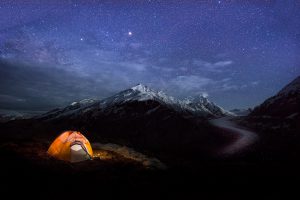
(177, 46)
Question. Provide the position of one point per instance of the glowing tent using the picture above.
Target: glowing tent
(71, 146)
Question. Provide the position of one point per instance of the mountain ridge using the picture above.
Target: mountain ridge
(283, 104)
(196, 106)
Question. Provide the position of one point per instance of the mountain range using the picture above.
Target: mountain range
(139, 117)
(190, 107)
(152, 121)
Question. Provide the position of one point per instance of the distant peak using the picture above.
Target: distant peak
(140, 87)
(200, 97)
(196, 99)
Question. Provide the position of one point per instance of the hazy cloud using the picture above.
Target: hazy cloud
(184, 85)
(133, 66)
(211, 67)
(222, 63)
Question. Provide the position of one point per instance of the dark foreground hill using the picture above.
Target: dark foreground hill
(28, 174)
(278, 121)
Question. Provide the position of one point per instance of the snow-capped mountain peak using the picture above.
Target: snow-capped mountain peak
(201, 102)
(141, 88)
(192, 106)
(198, 105)
(145, 90)
(139, 92)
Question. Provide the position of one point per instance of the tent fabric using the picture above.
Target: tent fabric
(71, 146)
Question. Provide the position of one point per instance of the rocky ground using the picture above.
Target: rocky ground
(27, 170)
(120, 172)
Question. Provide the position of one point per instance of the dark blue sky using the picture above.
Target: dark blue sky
(236, 52)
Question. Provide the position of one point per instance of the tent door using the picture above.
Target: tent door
(78, 153)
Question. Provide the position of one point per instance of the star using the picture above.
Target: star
(184, 48)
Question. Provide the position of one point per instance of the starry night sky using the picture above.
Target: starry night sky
(238, 53)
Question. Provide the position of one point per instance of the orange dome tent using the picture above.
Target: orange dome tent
(71, 146)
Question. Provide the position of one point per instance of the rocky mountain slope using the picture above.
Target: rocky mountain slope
(277, 121)
(286, 103)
